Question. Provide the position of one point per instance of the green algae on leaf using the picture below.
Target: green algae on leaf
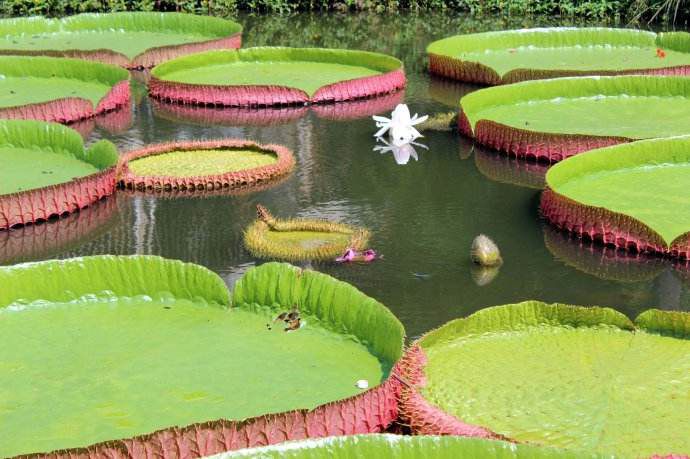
(132, 345)
(200, 162)
(577, 377)
(208, 165)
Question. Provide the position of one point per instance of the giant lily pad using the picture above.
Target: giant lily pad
(633, 196)
(62, 90)
(554, 119)
(516, 55)
(47, 171)
(126, 349)
(301, 239)
(268, 76)
(131, 40)
(205, 165)
(556, 375)
(401, 447)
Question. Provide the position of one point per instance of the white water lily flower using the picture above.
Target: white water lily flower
(362, 384)
(400, 126)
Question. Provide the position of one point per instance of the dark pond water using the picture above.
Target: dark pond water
(423, 214)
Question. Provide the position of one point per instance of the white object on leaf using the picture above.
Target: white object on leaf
(362, 384)
(400, 126)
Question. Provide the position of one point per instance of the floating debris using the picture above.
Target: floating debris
(351, 255)
(485, 251)
(440, 122)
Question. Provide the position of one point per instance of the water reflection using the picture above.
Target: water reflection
(514, 171)
(269, 116)
(449, 92)
(661, 280)
(484, 275)
(115, 122)
(48, 239)
(604, 262)
(401, 153)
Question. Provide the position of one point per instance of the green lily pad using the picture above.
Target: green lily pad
(307, 69)
(301, 239)
(571, 377)
(190, 163)
(106, 348)
(516, 55)
(401, 447)
(32, 80)
(646, 180)
(129, 34)
(36, 155)
(627, 107)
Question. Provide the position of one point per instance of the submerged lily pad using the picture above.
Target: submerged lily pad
(205, 165)
(301, 239)
(133, 345)
(128, 39)
(517, 55)
(275, 76)
(554, 119)
(633, 196)
(556, 375)
(401, 447)
(47, 171)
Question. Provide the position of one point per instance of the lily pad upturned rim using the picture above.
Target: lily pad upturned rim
(548, 146)
(424, 418)
(402, 446)
(445, 63)
(244, 179)
(337, 305)
(256, 242)
(31, 206)
(391, 78)
(66, 109)
(222, 33)
(605, 225)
